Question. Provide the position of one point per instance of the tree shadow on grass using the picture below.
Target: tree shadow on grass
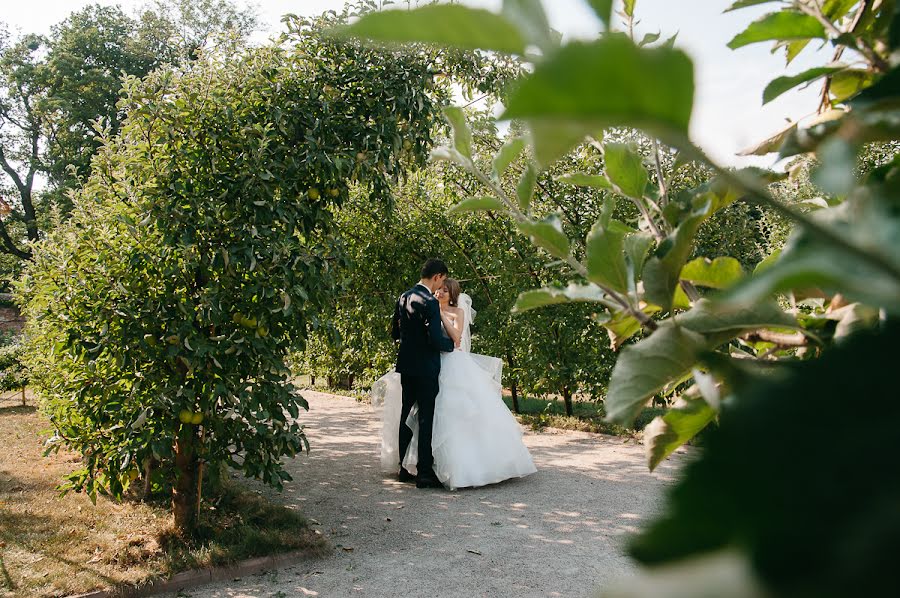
(26, 533)
(16, 409)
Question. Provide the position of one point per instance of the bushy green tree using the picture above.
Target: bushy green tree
(199, 250)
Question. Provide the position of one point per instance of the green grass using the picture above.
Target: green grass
(587, 416)
(58, 546)
(240, 524)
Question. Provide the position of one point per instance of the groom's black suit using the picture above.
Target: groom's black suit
(417, 325)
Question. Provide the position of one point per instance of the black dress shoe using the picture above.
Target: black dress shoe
(405, 476)
(428, 482)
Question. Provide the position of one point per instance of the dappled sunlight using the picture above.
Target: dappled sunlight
(574, 514)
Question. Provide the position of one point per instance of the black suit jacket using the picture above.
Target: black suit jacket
(417, 325)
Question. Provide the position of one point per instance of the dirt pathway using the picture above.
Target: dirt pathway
(558, 532)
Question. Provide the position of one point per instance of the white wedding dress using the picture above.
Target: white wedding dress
(476, 440)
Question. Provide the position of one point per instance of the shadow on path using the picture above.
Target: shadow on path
(559, 532)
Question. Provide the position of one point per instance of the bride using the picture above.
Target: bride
(476, 440)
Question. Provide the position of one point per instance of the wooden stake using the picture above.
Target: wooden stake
(200, 473)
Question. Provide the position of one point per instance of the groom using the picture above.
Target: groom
(417, 325)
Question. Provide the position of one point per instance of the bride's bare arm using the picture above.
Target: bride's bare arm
(454, 329)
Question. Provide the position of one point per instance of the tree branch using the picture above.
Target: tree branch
(782, 339)
(10, 247)
(9, 170)
(814, 10)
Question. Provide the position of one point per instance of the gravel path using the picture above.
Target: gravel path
(558, 532)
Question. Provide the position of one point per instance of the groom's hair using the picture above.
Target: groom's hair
(433, 267)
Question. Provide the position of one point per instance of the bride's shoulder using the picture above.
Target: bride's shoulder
(458, 312)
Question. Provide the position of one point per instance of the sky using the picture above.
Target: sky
(728, 112)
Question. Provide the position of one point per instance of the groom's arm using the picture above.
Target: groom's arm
(433, 321)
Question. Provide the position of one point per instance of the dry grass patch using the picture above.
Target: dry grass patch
(57, 546)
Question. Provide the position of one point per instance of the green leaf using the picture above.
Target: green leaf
(645, 368)
(648, 39)
(780, 26)
(717, 274)
(849, 82)
(625, 169)
(746, 3)
(628, 7)
(475, 204)
(526, 186)
(605, 259)
(767, 262)
(883, 93)
(443, 24)
(608, 209)
(724, 321)
(623, 326)
(654, 87)
(603, 10)
(538, 298)
(662, 271)
(637, 246)
(681, 423)
(552, 296)
(553, 139)
(793, 49)
(783, 84)
(548, 234)
(836, 172)
(510, 151)
(772, 144)
(444, 153)
(529, 17)
(836, 9)
(462, 136)
(595, 181)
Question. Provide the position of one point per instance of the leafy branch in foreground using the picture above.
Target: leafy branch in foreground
(709, 340)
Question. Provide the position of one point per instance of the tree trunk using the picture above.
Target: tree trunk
(514, 389)
(512, 384)
(148, 477)
(184, 494)
(350, 379)
(567, 398)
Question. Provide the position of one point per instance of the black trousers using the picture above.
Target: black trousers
(421, 390)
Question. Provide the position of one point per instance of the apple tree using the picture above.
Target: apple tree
(200, 248)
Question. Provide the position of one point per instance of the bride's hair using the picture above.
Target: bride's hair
(453, 288)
